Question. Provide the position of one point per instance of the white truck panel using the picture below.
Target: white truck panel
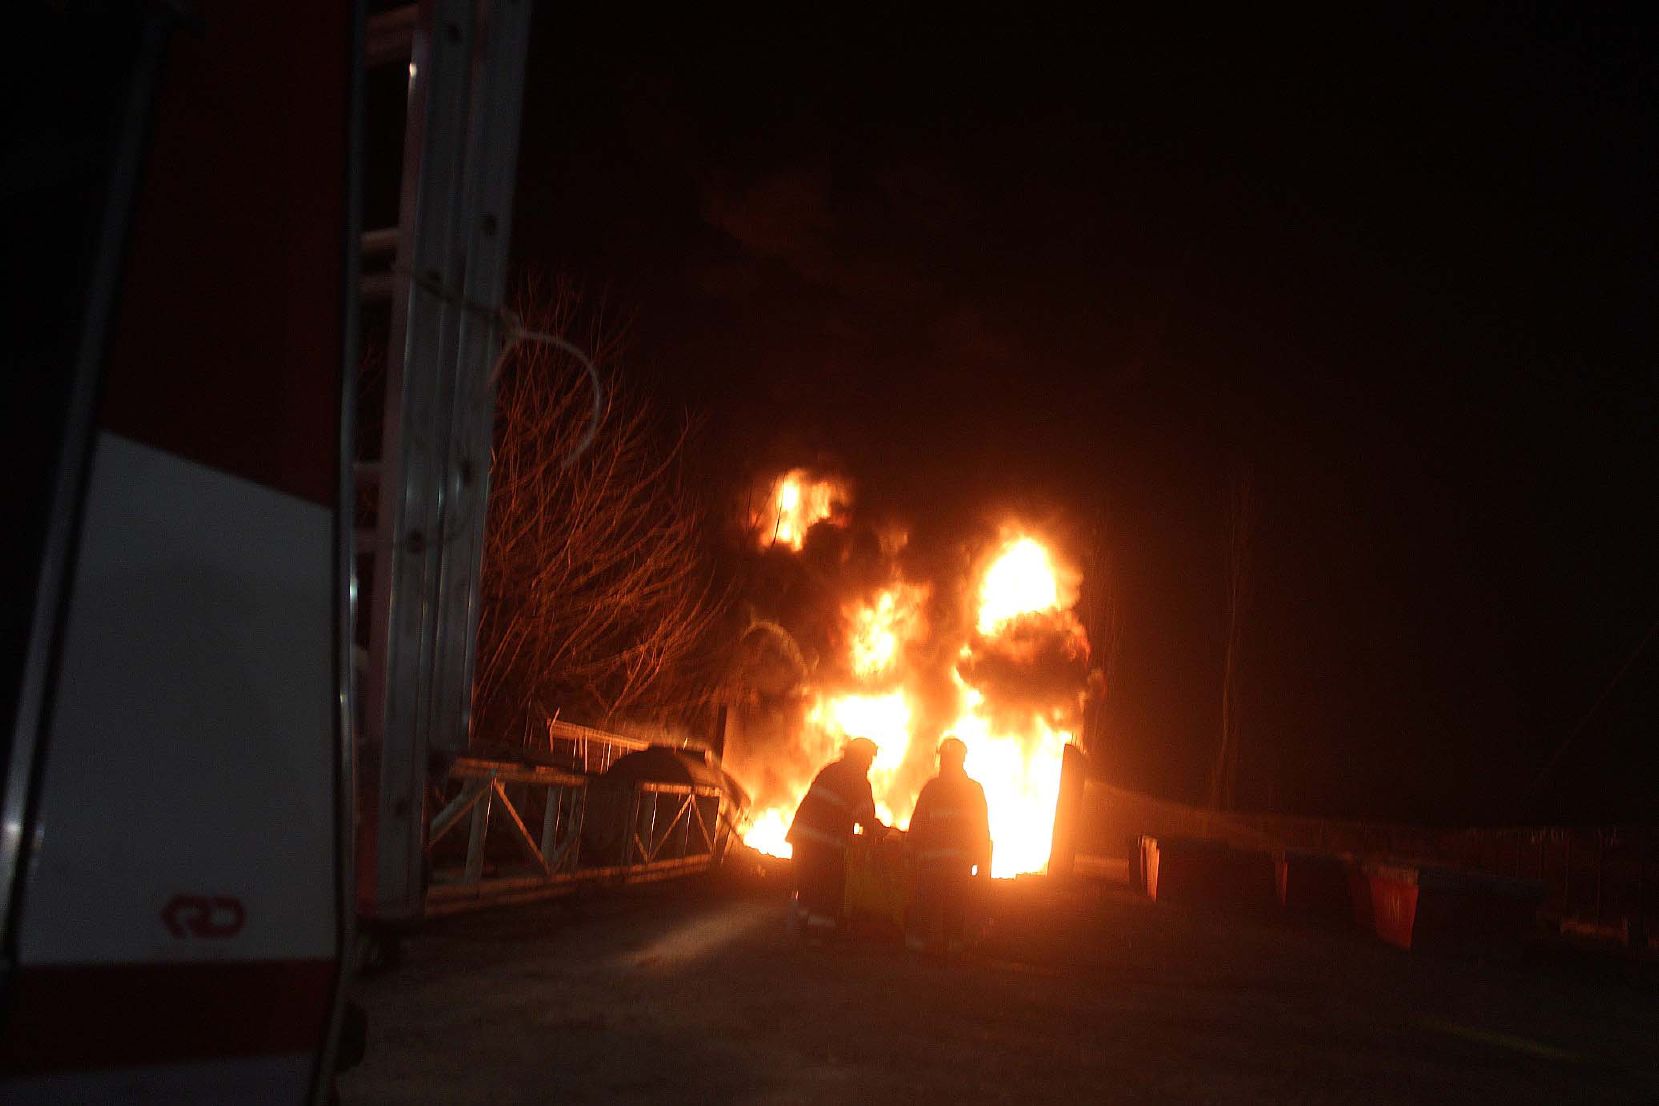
(186, 811)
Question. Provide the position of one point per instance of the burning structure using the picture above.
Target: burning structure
(871, 642)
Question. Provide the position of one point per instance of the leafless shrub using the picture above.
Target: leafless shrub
(598, 597)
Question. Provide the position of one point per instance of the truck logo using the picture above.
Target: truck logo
(204, 916)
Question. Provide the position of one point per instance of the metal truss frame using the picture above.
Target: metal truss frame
(667, 830)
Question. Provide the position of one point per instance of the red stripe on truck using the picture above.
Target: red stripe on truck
(85, 1016)
(227, 344)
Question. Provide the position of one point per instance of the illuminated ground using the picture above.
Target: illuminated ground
(695, 995)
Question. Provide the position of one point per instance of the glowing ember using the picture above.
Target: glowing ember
(1020, 581)
(797, 503)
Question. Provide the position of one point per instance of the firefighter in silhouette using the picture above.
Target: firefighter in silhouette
(839, 798)
(950, 850)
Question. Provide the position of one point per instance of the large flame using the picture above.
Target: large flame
(1019, 767)
(767, 830)
(884, 719)
(878, 629)
(1020, 581)
(1015, 755)
(796, 502)
(1014, 751)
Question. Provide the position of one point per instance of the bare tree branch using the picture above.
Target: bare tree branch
(598, 595)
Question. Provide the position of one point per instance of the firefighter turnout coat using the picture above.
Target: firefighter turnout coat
(951, 824)
(839, 797)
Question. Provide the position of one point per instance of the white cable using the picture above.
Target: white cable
(513, 332)
(517, 332)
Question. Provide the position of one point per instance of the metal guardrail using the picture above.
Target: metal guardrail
(1598, 878)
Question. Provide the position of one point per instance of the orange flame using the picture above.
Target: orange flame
(767, 830)
(884, 719)
(879, 628)
(795, 504)
(1016, 759)
(1020, 771)
(1020, 581)
(1014, 755)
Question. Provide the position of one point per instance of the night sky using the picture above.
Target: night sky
(1400, 272)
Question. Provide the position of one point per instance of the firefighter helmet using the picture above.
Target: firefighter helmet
(861, 747)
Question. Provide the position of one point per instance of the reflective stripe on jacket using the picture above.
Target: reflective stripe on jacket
(951, 822)
(840, 795)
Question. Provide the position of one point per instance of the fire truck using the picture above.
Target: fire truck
(240, 649)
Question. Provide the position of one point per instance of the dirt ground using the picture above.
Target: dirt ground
(695, 993)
